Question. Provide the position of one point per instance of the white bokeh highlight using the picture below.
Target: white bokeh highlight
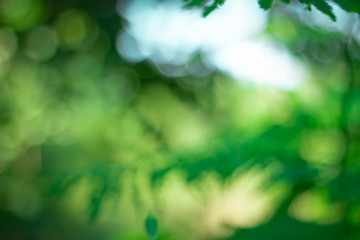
(165, 33)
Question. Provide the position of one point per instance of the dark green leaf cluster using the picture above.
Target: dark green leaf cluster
(321, 5)
(206, 4)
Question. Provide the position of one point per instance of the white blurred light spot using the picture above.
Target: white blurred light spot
(128, 48)
(261, 61)
(165, 33)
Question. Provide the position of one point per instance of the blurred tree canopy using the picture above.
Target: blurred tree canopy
(95, 147)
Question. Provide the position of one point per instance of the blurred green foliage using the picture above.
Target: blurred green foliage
(94, 147)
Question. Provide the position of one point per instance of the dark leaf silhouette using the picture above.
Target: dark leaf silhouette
(325, 8)
(321, 5)
(151, 226)
(265, 4)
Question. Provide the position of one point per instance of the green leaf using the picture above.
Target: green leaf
(219, 2)
(265, 4)
(321, 5)
(324, 7)
(196, 3)
(151, 226)
(209, 10)
(308, 6)
(349, 5)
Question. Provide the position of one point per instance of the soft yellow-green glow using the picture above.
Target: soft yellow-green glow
(324, 147)
(312, 206)
(182, 127)
(284, 29)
